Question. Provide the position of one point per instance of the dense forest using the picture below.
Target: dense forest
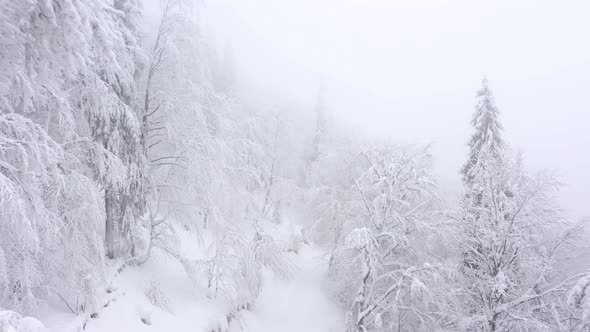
(139, 187)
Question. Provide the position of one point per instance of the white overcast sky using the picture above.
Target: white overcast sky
(408, 70)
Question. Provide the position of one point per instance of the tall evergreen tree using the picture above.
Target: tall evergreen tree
(488, 133)
(320, 130)
(506, 215)
(319, 136)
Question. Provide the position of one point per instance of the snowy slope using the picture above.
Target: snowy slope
(297, 304)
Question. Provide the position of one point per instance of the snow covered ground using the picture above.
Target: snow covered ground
(297, 304)
(300, 304)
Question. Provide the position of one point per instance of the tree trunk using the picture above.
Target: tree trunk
(493, 323)
(109, 236)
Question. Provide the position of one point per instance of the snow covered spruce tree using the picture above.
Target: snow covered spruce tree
(378, 266)
(319, 135)
(487, 135)
(508, 272)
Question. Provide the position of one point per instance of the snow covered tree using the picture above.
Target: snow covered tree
(231, 269)
(180, 118)
(319, 136)
(488, 132)
(234, 266)
(50, 235)
(509, 276)
(49, 61)
(379, 269)
(108, 99)
(579, 299)
(74, 64)
(28, 169)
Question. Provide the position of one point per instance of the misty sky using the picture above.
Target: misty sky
(408, 70)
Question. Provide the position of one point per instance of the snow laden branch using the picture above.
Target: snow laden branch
(579, 299)
(48, 213)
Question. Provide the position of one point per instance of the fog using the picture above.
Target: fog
(282, 165)
(408, 70)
